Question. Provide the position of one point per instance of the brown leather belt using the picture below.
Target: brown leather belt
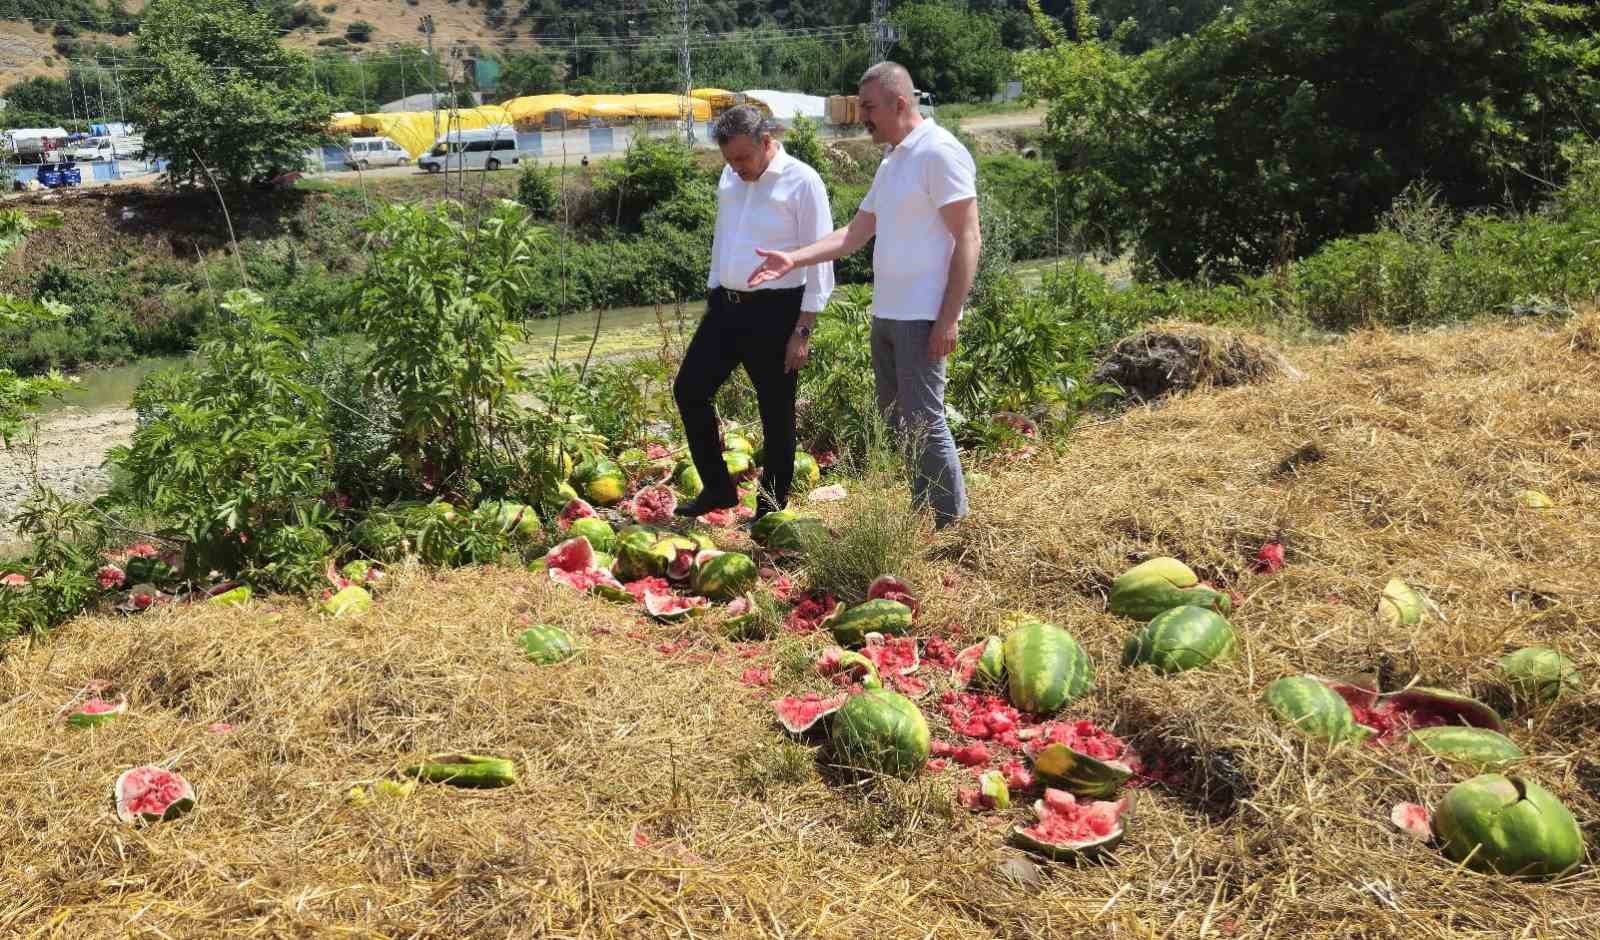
(746, 296)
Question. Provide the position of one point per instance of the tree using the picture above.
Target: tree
(527, 73)
(954, 54)
(359, 31)
(1291, 122)
(223, 94)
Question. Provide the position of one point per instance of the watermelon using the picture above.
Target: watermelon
(724, 576)
(1508, 825)
(738, 443)
(1540, 675)
(575, 509)
(800, 713)
(546, 645)
(352, 601)
(573, 555)
(1080, 758)
(510, 518)
(806, 472)
(1422, 706)
(1161, 584)
(670, 607)
(654, 505)
(1314, 708)
(738, 462)
(151, 794)
(1479, 748)
(763, 530)
(601, 482)
(1413, 819)
(890, 587)
(990, 793)
(898, 656)
(95, 712)
(881, 731)
(981, 665)
(687, 479)
(1399, 605)
(1180, 638)
(597, 531)
(1068, 829)
(465, 770)
(890, 618)
(235, 597)
(1045, 667)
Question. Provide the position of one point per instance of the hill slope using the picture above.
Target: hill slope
(658, 800)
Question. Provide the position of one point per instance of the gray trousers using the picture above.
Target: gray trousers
(911, 397)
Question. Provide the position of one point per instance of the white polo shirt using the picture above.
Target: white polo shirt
(925, 172)
(786, 208)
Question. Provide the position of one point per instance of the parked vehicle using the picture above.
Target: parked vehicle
(368, 152)
(108, 148)
(488, 148)
(58, 175)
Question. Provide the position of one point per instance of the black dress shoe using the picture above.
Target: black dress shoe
(703, 504)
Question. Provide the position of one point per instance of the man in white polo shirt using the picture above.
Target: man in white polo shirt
(923, 209)
(765, 197)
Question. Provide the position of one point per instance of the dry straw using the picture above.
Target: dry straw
(658, 800)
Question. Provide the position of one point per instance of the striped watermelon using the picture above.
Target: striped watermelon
(1181, 638)
(890, 618)
(981, 665)
(96, 711)
(724, 576)
(1509, 825)
(1313, 708)
(1479, 748)
(545, 645)
(1061, 766)
(881, 731)
(1045, 667)
(598, 531)
(1540, 675)
(806, 472)
(1160, 584)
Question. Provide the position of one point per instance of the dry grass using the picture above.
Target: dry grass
(1419, 444)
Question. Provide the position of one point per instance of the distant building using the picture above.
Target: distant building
(425, 101)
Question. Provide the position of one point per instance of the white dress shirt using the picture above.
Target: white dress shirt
(925, 172)
(786, 208)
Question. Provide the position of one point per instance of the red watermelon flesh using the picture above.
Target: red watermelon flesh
(97, 706)
(1413, 818)
(720, 518)
(682, 565)
(667, 605)
(1087, 739)
(654, 505)
(574, 555)
(149, 790)
(896, 656)
(572, 512)
(645, 586)
(797, 713)
(1017, 776)
(584, 580)
(892, 588)
(1068, 822)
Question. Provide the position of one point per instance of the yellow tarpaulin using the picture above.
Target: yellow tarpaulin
(416, 130)
(656, 107)
(531, 109)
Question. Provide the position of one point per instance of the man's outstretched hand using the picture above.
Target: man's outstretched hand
(774, 264)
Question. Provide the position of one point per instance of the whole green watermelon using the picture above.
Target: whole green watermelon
(882, 731)
(1045, 667)
(1181, 638)
(1160, 584)
(1508, 825)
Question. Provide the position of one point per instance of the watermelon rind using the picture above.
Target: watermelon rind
(598, 531)
(1508, 825)
(1314, 708)
(1479, 748)
(1400, 605)
(174, 809)
(881, 731)
(1078, 851)
(725, 576)
(465, 770)
(1045, 668)
(829, 707)
(1538, 674)
(1179, 639)
(660, 606)
(738, 443)
(1160, 584)
(1079, 774)
(352, 601)
(235, 597)
(687, 479)
(890, 618)
(83, 719)
(762, 530)
(1469, 710)
(546, 645)
(992, 784)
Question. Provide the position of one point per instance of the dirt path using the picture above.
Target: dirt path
(72, 444)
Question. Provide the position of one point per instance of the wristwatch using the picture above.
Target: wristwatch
(804, 332)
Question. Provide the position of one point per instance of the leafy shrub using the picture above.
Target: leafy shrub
(653, 171)
(537, 190)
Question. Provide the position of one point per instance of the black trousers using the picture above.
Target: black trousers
(752, 331)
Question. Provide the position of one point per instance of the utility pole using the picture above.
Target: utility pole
(884, 33)
(684, 71)
(433, 88)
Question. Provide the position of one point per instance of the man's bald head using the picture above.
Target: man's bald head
(888, 102)
(891, 77)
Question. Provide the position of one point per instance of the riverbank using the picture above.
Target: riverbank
(66, 456)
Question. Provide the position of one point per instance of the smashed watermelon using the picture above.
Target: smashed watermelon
(889, 587)
(1069, 828)
(799, 713)
(654, 505)
(893, 656)
(575, 509)
(645, 586)
(671, 607)
(152, 794)
(1413, 818)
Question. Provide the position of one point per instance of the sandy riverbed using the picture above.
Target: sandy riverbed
(71, 446)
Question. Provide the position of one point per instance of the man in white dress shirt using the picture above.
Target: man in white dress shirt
(923, 209)
(765, 197)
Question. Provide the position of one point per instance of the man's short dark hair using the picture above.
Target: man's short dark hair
(741, 121)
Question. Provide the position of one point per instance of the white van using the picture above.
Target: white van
(108, 148)
(487, 148)
(367, 152)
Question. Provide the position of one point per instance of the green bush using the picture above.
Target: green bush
(538, 192)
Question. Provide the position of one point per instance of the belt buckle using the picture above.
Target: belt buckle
(733, 295)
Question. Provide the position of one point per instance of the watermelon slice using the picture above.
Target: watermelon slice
(670, 607)
(681, 567)
(892, 588)
(574, 510)
(645, 586)
(894, 656)
(1413, 819)
(800, 713)
(981, 665)
(654, 505)
(96, 711)
(1071, 829)
(151, 794)
(575, 555)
